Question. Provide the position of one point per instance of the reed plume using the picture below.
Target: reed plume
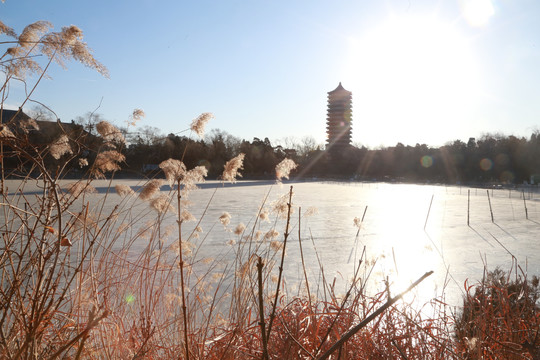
(271, 234)
(5, 132)
(162, 204)
(107, 161)
(20, 64)
(276, 245)
(239, 230)
(312, 210)
(78, 188)
(32, 33)
(264, 215)
(4, 29)
(150, 189)
(174, 170)
(27, 125)
(123, 190)
(284, 168)
(186, 216)
(67, 45)
(230, 172)
(60, 147)
(83, 162)
(56, 46)
(198, 124)
(225, 218)
(109, 132)
(194, 176)
(136, 116)
(280, 206)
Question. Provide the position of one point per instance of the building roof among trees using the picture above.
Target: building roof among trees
(7, 115)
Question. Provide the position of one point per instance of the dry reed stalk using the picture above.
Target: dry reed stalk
(262, 324)
(321, 267)
(340, 310)
(182, 283)
(302, 255)
(280, 273)
(362, 324)
(358, 223)
(54, 268)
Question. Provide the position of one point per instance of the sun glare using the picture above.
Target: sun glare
(403, 250)
(477, 12)
(410, 75)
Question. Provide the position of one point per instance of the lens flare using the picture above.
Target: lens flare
(486, 164)
(426, 161)
(507, 177)
(130, 298)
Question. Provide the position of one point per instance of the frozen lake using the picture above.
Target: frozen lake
(401, 241)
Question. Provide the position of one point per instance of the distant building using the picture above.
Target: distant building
(339, 119)
(8, 116)
(39, 131)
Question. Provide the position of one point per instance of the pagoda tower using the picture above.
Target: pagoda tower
(339, 119)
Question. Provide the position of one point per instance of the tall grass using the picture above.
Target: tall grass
(83, 280)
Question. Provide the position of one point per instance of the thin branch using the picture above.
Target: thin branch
(45, 106)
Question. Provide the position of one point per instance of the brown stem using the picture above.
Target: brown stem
(262, 324)
(340, 310)
(92, 323)
(285, 236)
(37, 82)
(302, 256)
(184, 307)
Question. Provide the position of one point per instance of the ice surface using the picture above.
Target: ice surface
(407, 229)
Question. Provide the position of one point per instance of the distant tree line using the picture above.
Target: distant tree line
(493, 158)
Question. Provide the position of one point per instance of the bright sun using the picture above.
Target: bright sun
(477, 12)
(411, 77)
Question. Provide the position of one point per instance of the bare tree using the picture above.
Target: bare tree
(146, 135)
(89, 121)
(307, 145)
(40, 113)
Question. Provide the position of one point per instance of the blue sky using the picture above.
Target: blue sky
(420, 71)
